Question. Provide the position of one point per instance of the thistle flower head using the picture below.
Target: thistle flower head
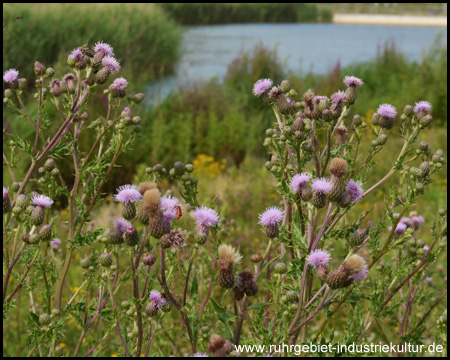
(156, 297)
(42, 201)
(122, 225)
(355, 190)
(104, 47)
(422, 106)
(426, 248)
(353, 81)
(400, 228)
(169, 207)
(77, 54)
(387, 110)
(127, 194)
(417, 220)
(55, 243)
(206, 216)
(299, 180)
(338, 98)
(271, 216)
(262, 86)
(68, 77)
(54, 82)
(120, 83)
(322, 185)
(112, 64)
(5, 192)
(318, 98)
(10, 75)
(318, 258)
(229, 254)
(362, 274)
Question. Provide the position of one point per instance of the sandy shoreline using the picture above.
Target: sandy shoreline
(390, 20)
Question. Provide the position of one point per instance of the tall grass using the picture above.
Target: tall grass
(228, 13)
(141, 33)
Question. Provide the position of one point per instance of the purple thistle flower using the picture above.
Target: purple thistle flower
(401, 228)
(127, 194)
(5, 192)
(120, 83)
(426, 248)
(112, 64)
(262, 86)
(318, 258)
(55, 243)
(362, 274)
(122, 225)
(338, 98)
(353, 81)
(417, 220)
(200, 354)
(105, 48)
(10, 75)
(322, 185)
(387, 111)
(169, 207)
(204, 216)
(271, 216)
(299, 180)
(429, 280)
(317, 99)
(422, 106)
(157, 299)
(355, 190)
(42, 201)
(77, 54)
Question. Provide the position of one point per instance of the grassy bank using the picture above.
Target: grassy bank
(229, 13)
(141, 33)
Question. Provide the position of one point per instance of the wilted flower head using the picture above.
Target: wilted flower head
(77, 54)
(422, 106)
(353, 81)
(271, 216)
(361, 275)
(299, 180)
(105, 48)
(228, 254)
(355, 190)
(318, 258)
(111, 63)
(55, 243)
(156, 297)
(322, 185)
(127, 194)
(262, 86)
(5, 192)
(169, 207)
(205, 216)
(122, 225)
(387, 110)
(42, 201)
(10, 75)
(120, 83)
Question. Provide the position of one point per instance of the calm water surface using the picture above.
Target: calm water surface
(208, 50)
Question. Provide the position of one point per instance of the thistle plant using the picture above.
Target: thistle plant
(166, 277)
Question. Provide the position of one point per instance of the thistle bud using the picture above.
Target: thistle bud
(6, 202)
(424, 169)
(319, 200)
(149, 259)
(357, 238)
(45, 319)
(174, 239)
(256, 258)
(138, 98)
(151, 309)
(37, 216)
(39, 69)
(408, 110)
(381, 139)
(22, 83)
(45, 233)
(292, 296)
(129, 210)
(105, 260)
(34, 239)
(85, 263)
(55, 88)
(131, 236)
(376, 118)
(426, 121)
(357, 121)
(113, 237)
(350, 95)
(280, 268)
(50, 72)
(336, 192)
(102, 75)
(285, 85)
(179, 168)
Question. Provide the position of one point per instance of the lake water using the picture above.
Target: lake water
(208, 50)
